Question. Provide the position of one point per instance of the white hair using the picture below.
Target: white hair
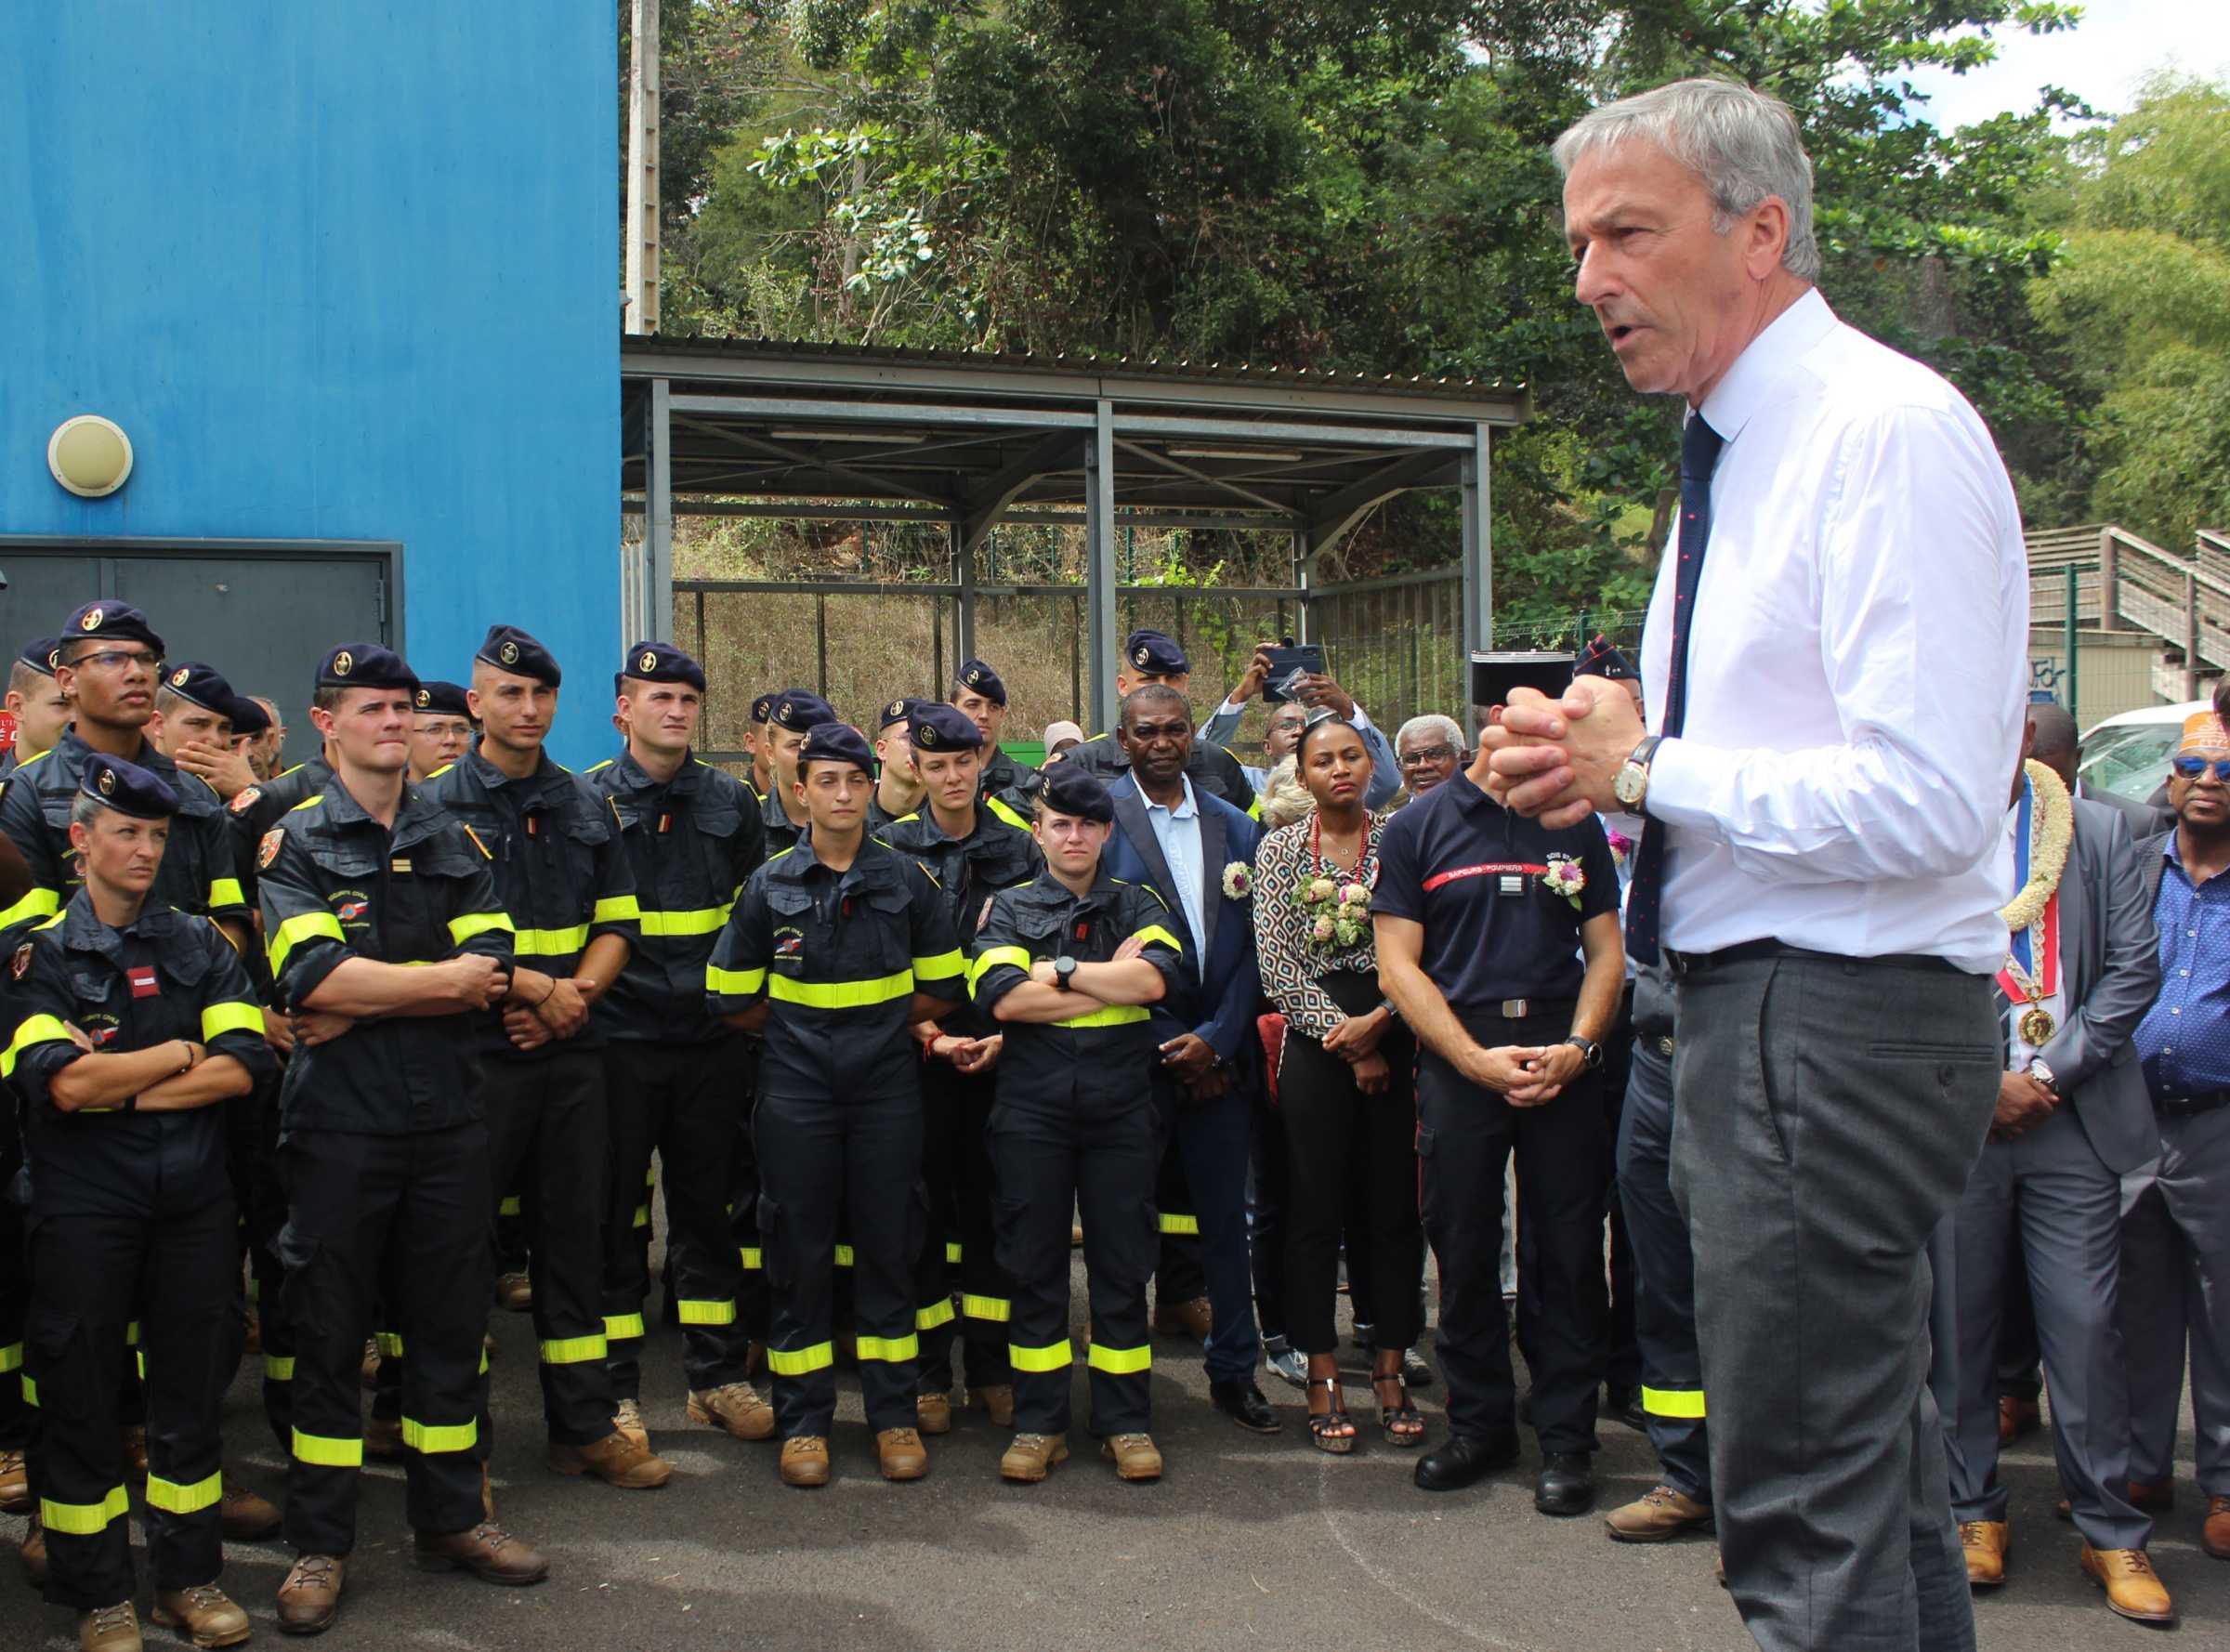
(1285, 798)
(1742, 143)
(1431, 723)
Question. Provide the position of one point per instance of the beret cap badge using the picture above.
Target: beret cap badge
(508, 653)
(92, 620)
(426, 697)
(108, 783)
(343, 664)
(178, 678)
(1142, 656)
(648, 662)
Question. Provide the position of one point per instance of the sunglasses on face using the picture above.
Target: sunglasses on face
(2191, 769)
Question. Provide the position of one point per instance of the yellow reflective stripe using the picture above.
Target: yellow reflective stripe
(623, 1327)
(986, 1308)
(641, 1218)
(1255, 810)
(11, 1358)
(224, 892)
(1154, 932)
(230, 1017)
(1052, 1356)
(292, 931)
(890, 1347)
(31, 1390)
(650, 1175)
(991, 957)
(1687, 1403)
(33, 1030)
(84, 1519)
(1121, 1362)
(952, 1252)
(785, 1363)
(704, 920)
(937, 1313)
(844, 1257)
(940, 967)
(573, 1350)
(439, 1436)
(616, 908)
(841, 995)
(327, 1452)
(549, 943)
(390, 1343)
(131, 1334)
(39, 903)
(706, 1313)
(734, 983)
(139, 1360)
(278, 1367)
(1111, 1015)
(175, 1498)
(463, 929)
(483, 1359)
(1180, 1223)
(510, 1206)
(751, 1256)
(1005, 813)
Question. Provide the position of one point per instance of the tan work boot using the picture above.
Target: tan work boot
(14, 1484)
(735, 1407)
(205, 1616)
(2134, 1588)
(109, 1629)
(1031, 1457)
(806, 1460)
(33, 1551)
(1194, 1318)
(616, 1461)
(904, 1457)
(933, 1412)
(382, 1438)
(515, 1293)
(245, 1517)
(627, 1421)
(1985, 1543)
(996, 1401)
(367, 1374)
(2214, 1531)
(135, 1453)
(1133, 1455)
(310, 1598)
(486, 1550)
(1659, 1513)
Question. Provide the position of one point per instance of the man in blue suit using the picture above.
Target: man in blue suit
(1184, 844)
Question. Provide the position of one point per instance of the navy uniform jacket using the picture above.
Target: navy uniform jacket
(968, 871)
(692, 842)
(780, 833)
(560, 872)
(336, 884)
(1102, 1059)
(1212, 769)
(254, 812)
(839, 956)
(1008, 789)
(198, 873)
(168, 975)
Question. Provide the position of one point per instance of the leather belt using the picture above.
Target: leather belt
(2183, 1107)
(1521, 1009)
(1684, 965)
(1664, 1046)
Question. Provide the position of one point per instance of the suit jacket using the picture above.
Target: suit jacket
(1217, 1002)
(2110, 974)
(2143, 819)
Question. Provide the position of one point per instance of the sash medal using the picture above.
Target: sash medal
(2023, 980)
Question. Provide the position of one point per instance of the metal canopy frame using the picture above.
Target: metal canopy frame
(829, 432)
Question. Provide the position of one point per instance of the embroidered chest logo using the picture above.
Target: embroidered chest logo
(101, 1028)
(351, 906)
(789, 948)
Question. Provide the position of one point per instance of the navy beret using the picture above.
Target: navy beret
(127, 788)
(762, 708)
(366, 666)
(1600, 659)
(935, 728)
(442, 700)
(39, 654)
(898, 711)
(658, 663)
(248, 717)
(836, 742)
(980, 678)
(509, 649)
(1068, 789)
(204, 685)
(1155, 654)
(800, 710)
(109, 620)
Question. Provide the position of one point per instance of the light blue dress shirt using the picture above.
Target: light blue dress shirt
(1177, 831)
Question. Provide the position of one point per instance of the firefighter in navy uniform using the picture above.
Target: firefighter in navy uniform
(1149, 657)
(898, 791)
(441, 731)
(386, 943)
(761, 778)
(795, 713)
(834, 948)
(565, 880)
(1066, 965)
(1006, 785)
(132, 1023)
(692, 836)
(36, 701)
(972, 853)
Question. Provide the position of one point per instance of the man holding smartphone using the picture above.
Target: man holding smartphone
(1293, 680)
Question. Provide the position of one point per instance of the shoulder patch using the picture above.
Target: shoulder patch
(21, 964)
(246, 801)
(267, 851)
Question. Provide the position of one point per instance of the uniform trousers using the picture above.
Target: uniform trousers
(1672, 1374)
(744, 1192)
(1826, 1113)
(1053, 1156)
(2176, 1289)
(1465, 1138)
(402, 1217)
(1208, 1141)
(860, 1157)
(14, 1302)
(960, 1233)
(90, 1278)
(547, 1131)
(681, 1101)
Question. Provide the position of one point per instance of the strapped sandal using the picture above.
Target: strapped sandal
(1321, 1425)
(1404, 1424)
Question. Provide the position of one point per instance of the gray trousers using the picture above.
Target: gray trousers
(2043, 1206)
(1826, 1113)
(2175, 1273)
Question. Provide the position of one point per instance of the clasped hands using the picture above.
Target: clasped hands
(1525, 1076)
(1557, 760)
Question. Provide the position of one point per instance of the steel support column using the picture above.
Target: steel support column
(658, 528)
(964, 575)
(1478, 544)
(1099, 565)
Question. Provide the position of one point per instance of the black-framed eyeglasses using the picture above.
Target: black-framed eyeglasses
(1424, 754)
(2191, 769)
(118, 659)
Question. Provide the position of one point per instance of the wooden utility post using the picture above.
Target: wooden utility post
(642, 169)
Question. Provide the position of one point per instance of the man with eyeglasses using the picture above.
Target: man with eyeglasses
(1430, 749)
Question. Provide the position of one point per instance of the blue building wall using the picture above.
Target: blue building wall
(340, 269)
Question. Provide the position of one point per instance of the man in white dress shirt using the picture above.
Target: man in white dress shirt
(1823, 780)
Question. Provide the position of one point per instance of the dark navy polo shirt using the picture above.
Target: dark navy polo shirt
(1475, 875)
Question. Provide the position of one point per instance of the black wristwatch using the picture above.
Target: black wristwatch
(1590, 1051)
(1064, 970)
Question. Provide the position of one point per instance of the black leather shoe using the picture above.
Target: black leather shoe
(1464, 1459)
(1566, 1485)
(1624, 1405)
(1241, 1400)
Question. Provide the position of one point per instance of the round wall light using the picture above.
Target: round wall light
(89, 455)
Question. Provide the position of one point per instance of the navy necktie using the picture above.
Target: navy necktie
(1699, 446)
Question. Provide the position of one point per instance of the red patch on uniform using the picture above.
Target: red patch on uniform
(246, 801)
(268, 850)
(142, 977)
(20, 966)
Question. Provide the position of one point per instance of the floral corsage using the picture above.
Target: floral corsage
(1239, 881)
(1565, 877)
(1620, 848)
(1338, 912)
